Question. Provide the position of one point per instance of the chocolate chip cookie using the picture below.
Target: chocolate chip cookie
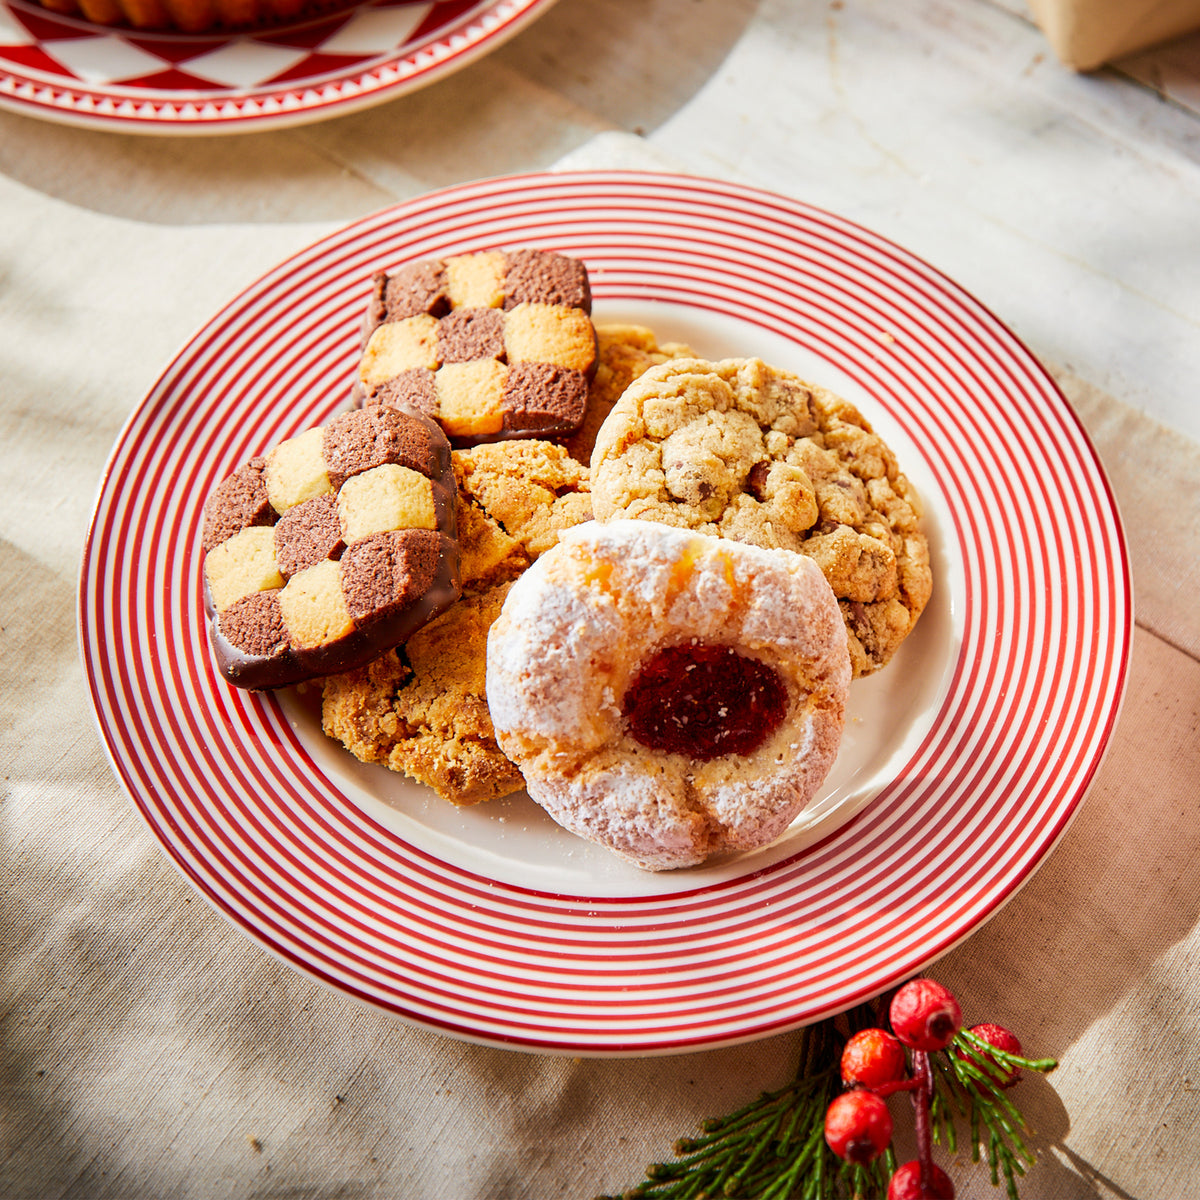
(624, 352)
(741, 450)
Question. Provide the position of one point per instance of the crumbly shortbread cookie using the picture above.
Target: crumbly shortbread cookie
(624, 352)
(429, 719)
(491, 345)
(666, 694)
(744, 451)
(335, 546)
(532, 490)
(421, 709)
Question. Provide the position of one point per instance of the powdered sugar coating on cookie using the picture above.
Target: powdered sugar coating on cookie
(571, 640)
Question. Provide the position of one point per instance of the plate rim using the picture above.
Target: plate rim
(935, 949)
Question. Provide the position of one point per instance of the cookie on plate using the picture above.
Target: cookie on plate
(491, 345)
(741, 450)
(420, 709)
(336, 545)
(668, 694)
(624, 352)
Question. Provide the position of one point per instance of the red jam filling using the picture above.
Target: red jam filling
(704, 701)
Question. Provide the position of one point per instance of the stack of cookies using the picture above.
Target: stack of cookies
(382, 550)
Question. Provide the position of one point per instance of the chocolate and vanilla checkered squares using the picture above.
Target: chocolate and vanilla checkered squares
(492, 345)
(334, 547)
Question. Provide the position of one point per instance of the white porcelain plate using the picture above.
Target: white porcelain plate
(70, 70)
(963, 762)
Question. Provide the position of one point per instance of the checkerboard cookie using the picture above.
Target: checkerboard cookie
(492, 345)
(745, 451)
(336, 545)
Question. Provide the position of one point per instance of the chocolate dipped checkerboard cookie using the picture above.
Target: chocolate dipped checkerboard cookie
(335, 546)
(744, 451)
(492, 345)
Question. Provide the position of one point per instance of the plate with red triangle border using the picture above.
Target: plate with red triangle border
(133, 81)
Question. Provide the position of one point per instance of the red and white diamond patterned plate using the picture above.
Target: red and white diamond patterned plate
(962, 763)
(72, 71)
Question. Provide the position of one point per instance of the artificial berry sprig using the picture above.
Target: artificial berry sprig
(813, 1141)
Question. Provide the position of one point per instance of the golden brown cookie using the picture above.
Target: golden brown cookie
(744, 451)
(421, 708)
(426, 717)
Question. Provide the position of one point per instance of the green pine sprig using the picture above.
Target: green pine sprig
(965, 1089)
(773, 1148)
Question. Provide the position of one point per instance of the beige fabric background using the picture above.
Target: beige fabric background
(148, 1050)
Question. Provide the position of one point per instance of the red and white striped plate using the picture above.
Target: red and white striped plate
(173, 83)
(964, 761)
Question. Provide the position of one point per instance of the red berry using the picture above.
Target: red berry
(925, 1015)
(872, 1057)
(858, 1127)
(1002, 1039)
(906, 1184)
